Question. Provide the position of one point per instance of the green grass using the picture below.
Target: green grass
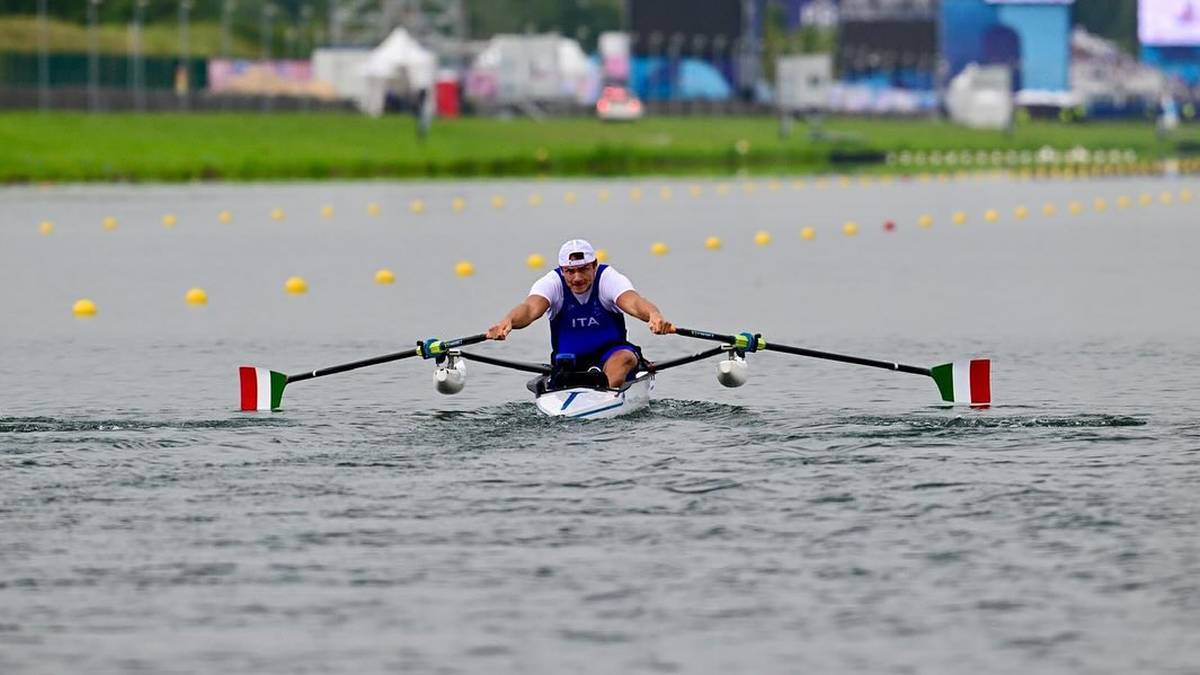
(175, 147)
(21, 34)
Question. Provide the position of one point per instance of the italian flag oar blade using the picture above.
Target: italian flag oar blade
(967, 382)
(262, 389)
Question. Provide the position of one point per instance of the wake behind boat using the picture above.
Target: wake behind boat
(562, 392)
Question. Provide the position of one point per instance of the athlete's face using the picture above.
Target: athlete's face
(579, 279)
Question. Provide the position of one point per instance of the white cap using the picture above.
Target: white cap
(573, 247)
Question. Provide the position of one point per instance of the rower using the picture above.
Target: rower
(586, 300)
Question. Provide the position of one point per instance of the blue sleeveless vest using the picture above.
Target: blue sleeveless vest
(585, 329)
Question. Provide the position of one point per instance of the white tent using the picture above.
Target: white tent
(399, 65)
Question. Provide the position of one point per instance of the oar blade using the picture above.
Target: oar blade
(262, 389)
(966, 382)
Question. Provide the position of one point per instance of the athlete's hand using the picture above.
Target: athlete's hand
(659, 325)
(500, 330)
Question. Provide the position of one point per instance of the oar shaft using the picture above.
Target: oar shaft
(844, 358)
(813, 353)
(376, 360)
(505, 363)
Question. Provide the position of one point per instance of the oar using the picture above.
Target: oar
(262, 389)
(967, 382)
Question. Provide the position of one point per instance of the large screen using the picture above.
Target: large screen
(1169, 22)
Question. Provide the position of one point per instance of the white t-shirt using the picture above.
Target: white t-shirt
(612, 285)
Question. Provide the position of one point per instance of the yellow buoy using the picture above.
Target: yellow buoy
(749, 187)
(535, 199)
(602, 254)
(535, 261)
(570, 198)
(712, 243)
(224, 217)
(83, 307)
(327, 211)
(850, 229)
(843, 181)
(658, 248)
(277, 214)
(603, 195)
(807, 233)
(1185, 196)
(925, 221)
(1145, 199)
(385, 276)
(196, 296)
(695, 190)
(168, 221)
(46, 227)
(373, 209)
(664, 193)
(464, 268)
(458, 204)
(1165, 197)
(1123, 202)
(959, 218)
(774, 186)
(1075, 208)
(798, 184)
(1100, 204)
(109, 223)
(497, 202)
(762, 238)
(991, 215)
(723, 189)
(635, 194)
(417, 206)
(295, 285)
(1049, 209)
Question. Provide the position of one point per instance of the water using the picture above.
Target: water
(822, 518)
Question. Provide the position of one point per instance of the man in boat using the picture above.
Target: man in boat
(586, 300)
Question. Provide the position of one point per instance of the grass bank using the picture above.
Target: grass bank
(176, 147)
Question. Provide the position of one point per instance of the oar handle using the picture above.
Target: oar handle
(427, 348)
(751, 342)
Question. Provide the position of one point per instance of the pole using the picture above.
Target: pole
(43, 58)
(93, 56)
(264, 32)
(185, 48)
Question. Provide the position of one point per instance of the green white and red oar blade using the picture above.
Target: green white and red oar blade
(262, 389)
(968, 382)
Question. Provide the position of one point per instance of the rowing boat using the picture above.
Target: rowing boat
(592, 400)
(587, 395)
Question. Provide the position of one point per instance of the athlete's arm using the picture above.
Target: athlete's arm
(521, 316)
(635, 305)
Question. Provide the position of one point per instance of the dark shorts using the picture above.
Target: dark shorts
(598, 360)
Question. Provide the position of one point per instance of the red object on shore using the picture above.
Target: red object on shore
(447, 98)
(889, 226)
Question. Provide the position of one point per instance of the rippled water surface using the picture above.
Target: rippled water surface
(823, 518)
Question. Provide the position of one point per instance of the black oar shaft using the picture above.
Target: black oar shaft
(505, 363)
(684, 360)
(856, 360)
(813, 353)
(376, 360)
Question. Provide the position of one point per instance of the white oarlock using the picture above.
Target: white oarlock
(451, 376)
(732, 371)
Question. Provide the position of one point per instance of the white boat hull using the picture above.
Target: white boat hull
(590, 403)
